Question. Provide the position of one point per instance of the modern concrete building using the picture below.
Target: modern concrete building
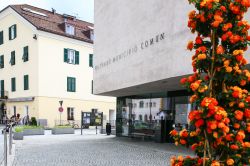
(140, 54)
(46, 58)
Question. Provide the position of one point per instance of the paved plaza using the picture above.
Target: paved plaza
(90, 149)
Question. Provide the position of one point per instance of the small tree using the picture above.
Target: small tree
(222, 115)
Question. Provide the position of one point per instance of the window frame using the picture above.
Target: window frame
(71, 84)
(13, 58)
(26, 82)
(13, 84)
(70, 29)
(12, 32)
(70, 113)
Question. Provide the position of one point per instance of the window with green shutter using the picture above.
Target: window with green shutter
(26, 54)
(13, 58)
(1, 37)
(1, 61)
(71, 56)
(71, 84)
(12, 32)
(90, 60)
(13, 84)
(26, 82)
(2, 88)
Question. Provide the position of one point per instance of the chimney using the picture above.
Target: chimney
(53, 10)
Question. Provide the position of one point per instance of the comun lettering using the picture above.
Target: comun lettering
(152, 41)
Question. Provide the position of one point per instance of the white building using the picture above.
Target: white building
(46, 58)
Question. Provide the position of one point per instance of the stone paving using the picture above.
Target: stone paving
(91, 150)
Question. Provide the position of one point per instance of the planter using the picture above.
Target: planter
(18, 136)
(38, 131)
(63, 131)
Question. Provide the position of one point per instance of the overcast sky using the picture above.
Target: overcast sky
(83, 8)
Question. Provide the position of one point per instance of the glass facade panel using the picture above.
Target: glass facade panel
(155, 116)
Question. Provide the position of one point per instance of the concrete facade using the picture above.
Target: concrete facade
(151, 30)
(140, 47)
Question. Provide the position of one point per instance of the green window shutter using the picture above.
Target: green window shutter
(14, 31)
(65, 55)
(13, 59)
(13, 84)
(26, 82)
(25, 53)
(77, 57)
(1, 61)
(90, 60)
(68, 84)
(1, 37)
(2, 88)
(73, 84)
(9, 33)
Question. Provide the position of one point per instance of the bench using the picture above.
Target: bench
(141, 135)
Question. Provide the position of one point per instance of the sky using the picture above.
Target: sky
(83, 9)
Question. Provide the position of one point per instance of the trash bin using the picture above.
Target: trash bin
(108, 128)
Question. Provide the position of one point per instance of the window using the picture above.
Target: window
(13, 84)
(141, 104)
(1, 37)
(71, 84)
(12, 58)
(2, 88)
(26, 54)
(147, 104)
(26, 82)
(135, 105)
(90, 60)
(70, 113)
(71, 56)
(145, 117)
(69, 29)
(1, 61)
(12, 32)
(154, 104)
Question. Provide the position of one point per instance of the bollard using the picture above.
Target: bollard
(5, 148)
(10, 139)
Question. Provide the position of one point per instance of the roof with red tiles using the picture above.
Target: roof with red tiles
(53, 22)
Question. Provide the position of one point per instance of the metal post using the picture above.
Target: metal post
(5, 147)
(60, 119)
(96, 128)
(81, 121)
(10, 139)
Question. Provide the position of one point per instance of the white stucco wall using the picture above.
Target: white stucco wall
(24, 38)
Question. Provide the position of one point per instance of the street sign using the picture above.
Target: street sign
(60, 109)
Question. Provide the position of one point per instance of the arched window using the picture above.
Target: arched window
(145, 117)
